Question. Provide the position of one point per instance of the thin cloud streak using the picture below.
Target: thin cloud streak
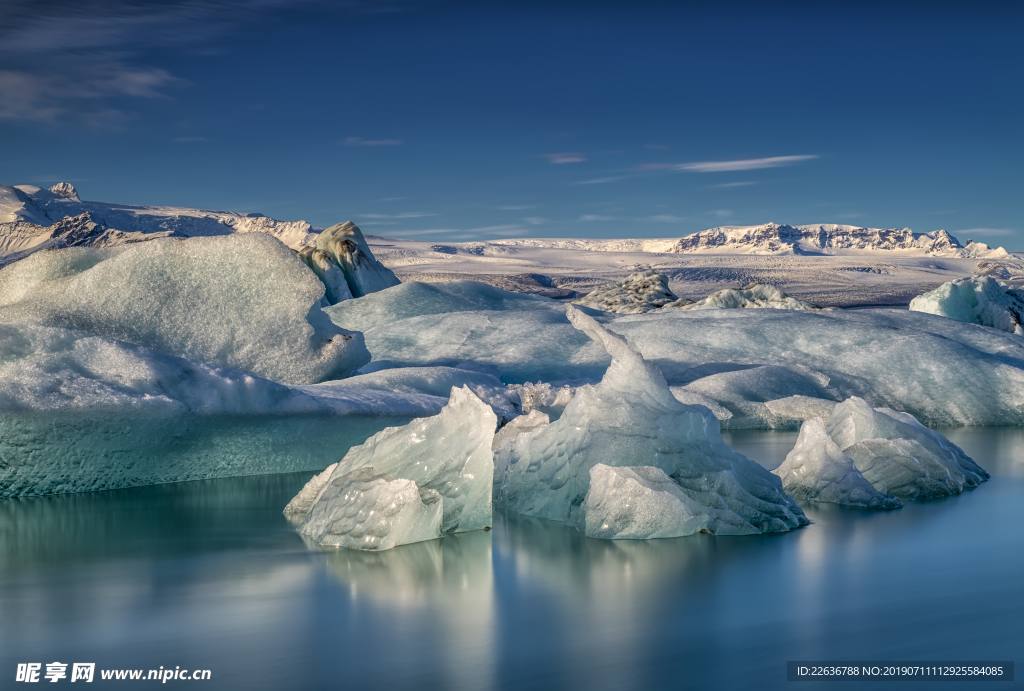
(570, 157)
(746, 164)
(985, 231)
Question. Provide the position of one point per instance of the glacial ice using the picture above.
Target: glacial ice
(630, 419)
(242, 301)
(449, 452)
(891, 358)
(416, 299)
(801, 408)
(80, 412)
(817, 470)
(344, 242)
(753, 296)
(975, 300)
(329, 273)
(642, 502)
(900, 456)
(643, 291)
(368, 510)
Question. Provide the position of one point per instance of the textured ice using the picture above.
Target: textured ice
(520, 425)
(753, 296)
(435, 382)
(363, 273)
(415, 299)
(817, 470)
(801, 408)
(329, 273)
(639, 292)
(544, 396)
(242, 301)
(975, 300)
(631, 418)
(449, 452)
(368, 510)
(642, 502)
(899, 455)
(689, 397)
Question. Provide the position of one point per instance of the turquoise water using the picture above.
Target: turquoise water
(209, 575)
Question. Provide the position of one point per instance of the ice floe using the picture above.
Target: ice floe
(368, 510)
(975, 300)
(643, 291)
(632, 419)
(449, 452)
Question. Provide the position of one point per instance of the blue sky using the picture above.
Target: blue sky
(459, 121)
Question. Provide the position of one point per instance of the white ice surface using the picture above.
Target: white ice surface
(244, 302)
(816, 470)
(449, 452)
(975, 300)
(630, 419)
(344, 242)
(740, 359)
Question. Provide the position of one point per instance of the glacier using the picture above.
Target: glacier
(975, 300)
(244, 302)
(367, 510)
(816, 470)
(631, 418)
(449, 452)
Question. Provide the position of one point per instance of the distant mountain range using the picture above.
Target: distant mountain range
(32, 218)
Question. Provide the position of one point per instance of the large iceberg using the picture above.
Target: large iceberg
(449, 452)
(243, 301)
(976, 300)
(816, 470)
(368, 510)
(944, 372)
(631, 419)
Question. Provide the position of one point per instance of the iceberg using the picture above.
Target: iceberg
(449, 452)
(345, 244)
(330, 274)
(753, 296)
(975, 300)
(630, 419)
(642, 502)
(244, 302)
(639, 292)
(367, 510)
(900, 456)
(801, 408)
(817, 471)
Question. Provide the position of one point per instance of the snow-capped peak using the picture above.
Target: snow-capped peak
(66, 190)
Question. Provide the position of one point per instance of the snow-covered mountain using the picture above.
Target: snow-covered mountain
(33, 218)
(772, 238)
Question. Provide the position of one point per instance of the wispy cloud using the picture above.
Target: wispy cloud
(569, 157)
(600, 181)
(726, 185)
(722, 213)
(985, 231)
(359, 141)
(595, 217)
(745, 164)
(407, 214)
(536, 220)
(666, 218)
(506, 230)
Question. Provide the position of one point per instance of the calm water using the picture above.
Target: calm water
(210, 575)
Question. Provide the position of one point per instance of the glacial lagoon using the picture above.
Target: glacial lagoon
(210, 575)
